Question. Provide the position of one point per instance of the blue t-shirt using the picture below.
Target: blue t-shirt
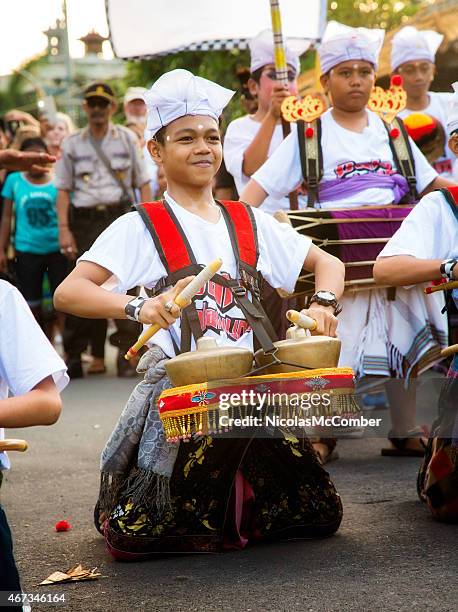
(35, 214)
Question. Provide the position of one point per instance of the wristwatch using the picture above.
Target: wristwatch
(447, 268)
(132, 308)
(326, 298)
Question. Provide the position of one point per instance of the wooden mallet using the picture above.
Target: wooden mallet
(301, 320)
(13, 445)
(181, 300)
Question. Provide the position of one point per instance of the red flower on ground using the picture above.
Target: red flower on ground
(62, 526)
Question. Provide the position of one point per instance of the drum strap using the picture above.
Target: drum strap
(403, 156)
(311, 156)
(451, 195)
(179, 261)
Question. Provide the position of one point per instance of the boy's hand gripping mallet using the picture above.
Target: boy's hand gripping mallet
(180, 300)
(301, 320)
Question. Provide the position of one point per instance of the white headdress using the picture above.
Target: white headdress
(452, 117)
(410, 44)
(178, 93)
(262, 50)
(342, 43)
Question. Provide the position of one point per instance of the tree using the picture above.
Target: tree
(385, 14)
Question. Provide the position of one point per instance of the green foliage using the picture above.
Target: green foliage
(19, 94)
(386, 14)
(219, 66)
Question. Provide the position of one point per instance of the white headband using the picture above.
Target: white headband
(262, 50)
(179, 93)
(342, 43)
(410, 44)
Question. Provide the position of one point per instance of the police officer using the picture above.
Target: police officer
(97, 173)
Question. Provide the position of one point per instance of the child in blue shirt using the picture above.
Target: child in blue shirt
(30, 197)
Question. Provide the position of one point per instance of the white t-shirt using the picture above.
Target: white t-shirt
(430, 231)
(438, 108)
(345, 154)
(239, 135)
(26, 355)
(127, 250)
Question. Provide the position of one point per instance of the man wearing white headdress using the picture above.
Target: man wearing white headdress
(425, 249)
(378, 336)
(157, 496)
(251, 139)
(413, 54)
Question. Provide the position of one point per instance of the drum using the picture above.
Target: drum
(354, 235)
(211, 408)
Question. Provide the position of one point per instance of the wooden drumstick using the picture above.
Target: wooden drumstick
(181, 300)
(13, 445)
(441, 287)
(301, 320)
(449, 350)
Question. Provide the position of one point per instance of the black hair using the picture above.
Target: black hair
(257, 74)
(36, 141)
(159, 136)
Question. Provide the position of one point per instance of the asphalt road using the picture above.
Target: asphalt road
(388, 554)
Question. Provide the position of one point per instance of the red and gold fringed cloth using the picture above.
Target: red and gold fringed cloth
(198, 408)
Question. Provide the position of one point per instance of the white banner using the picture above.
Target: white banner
(145, 28)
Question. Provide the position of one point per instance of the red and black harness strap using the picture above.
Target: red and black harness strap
(179, 261)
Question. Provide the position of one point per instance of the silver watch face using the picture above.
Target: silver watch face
(326, 295)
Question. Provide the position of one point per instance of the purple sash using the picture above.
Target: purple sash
(338, 189)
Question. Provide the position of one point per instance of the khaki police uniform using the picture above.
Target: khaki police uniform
(97, 200)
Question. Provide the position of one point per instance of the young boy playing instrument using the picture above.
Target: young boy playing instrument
(140, 470)
(378, 337)
(425, 248)
(33, 374)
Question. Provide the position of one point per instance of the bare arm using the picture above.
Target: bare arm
(253, 194)
(401, 270)
(81, 294)
(40, 406)
(438, 183)
(329, 276)
(66, 239)
(146, 195)
(329, 271)
(5, 230)
(23, 161)
(256, 154)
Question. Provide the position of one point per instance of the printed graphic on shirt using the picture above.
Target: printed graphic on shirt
(442, 166)
(39, 209)
(218, 311)
(351, 168)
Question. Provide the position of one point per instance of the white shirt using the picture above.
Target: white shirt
(438, 108)
(239, 135)
(430, 231)
(26, 355)
(127, 250)
(345, 153)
